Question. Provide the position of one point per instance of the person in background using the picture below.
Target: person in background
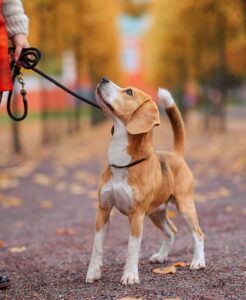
(13, 26)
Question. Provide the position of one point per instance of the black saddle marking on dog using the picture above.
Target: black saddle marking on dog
(163, 165)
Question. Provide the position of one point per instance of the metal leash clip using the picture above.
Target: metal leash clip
(22, 83)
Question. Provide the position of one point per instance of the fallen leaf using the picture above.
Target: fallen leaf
(170, 269)
(229, 208)
(244, 211)
(23, 170)
(2, 244)
(8, 183)
(42, 179)
(47, 204)
(171, 214)
(17, 249)
(63, 231)
(8, 202)
(224, 192)
(180, 264)
(77, 189)
(200, 198)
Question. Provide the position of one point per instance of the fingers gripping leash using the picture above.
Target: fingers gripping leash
(29, 59)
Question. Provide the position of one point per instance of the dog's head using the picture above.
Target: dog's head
(133, 107)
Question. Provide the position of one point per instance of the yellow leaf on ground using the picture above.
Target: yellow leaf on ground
(8, 202)
(17, 249)
(77, 189)
(2, 244)
(47, 204)
(180, 264)
(23, 170)
(200, 198)
(8, 183)
(224, 192)
(167, 270)
(171, 214)
(42, 179)
(63, 231)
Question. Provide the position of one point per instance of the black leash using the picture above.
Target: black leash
(29, 59)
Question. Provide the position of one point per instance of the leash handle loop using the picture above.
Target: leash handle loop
(17, 73)
(29, 59)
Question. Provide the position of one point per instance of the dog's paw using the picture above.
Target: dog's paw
(157, 258)
(93, 274)
(129, 278)
(197, 264)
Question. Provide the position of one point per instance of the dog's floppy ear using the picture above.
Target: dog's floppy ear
(144, 118)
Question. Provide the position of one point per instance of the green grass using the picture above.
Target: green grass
(84, 114)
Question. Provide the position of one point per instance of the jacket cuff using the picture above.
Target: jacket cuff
(17, 25)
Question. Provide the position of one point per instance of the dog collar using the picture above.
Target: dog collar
(131, 164)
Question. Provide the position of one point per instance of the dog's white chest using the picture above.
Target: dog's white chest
(117, 192)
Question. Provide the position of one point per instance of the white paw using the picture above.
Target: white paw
(197, 264)
(130, 278)
(93, 274)
(157, 258)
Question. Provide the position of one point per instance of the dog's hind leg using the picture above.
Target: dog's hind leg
(160, 219)
(102, 226)
(186, 207)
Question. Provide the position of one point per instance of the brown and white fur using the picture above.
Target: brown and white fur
(147, 187)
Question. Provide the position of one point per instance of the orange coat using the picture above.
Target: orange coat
(5, 73)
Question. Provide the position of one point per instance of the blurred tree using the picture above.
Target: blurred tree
(135, 8)
(89, 28)
(203, 40)
(100, 42)
(196, 40)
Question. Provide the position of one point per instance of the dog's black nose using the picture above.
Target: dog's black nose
(104, 80)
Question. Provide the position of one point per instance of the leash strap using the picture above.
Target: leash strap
(131, 164)
(16, 72)
(29, 59)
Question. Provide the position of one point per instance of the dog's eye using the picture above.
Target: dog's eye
(129, 92)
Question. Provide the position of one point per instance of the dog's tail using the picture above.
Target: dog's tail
(175, 118)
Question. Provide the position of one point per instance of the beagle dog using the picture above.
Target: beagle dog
(139, 181)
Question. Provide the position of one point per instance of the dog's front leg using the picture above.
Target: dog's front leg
(102, 226)
(130, 275)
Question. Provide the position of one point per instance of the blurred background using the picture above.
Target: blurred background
(195, 49)
(50, 164)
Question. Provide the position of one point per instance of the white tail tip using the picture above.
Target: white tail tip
(166, 97)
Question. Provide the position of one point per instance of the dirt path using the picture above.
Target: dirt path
(47, 212)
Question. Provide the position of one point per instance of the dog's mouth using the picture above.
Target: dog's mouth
(102, 102)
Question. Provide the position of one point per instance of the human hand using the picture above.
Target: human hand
(19, 42)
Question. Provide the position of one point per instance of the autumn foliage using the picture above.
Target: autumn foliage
(204, 40)
(89, 28)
